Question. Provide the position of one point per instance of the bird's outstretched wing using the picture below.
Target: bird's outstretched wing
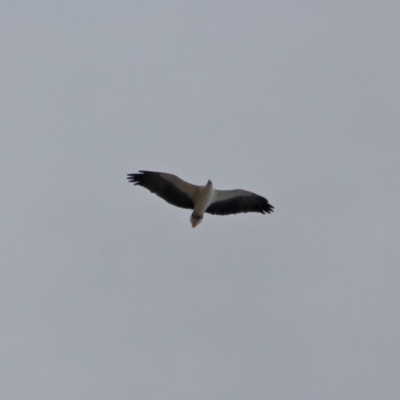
(238, 201)
(169, 187)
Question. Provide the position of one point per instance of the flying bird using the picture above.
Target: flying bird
(200, 199)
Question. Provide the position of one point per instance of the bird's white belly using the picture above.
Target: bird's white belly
(204, 199)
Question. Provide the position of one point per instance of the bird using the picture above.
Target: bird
(200, 199)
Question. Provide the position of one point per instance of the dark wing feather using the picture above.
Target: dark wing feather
(162, 187)
(242, 202)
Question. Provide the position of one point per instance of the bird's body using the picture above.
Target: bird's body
(200, 199)
(204, 198)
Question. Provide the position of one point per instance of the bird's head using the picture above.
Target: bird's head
(209, 183)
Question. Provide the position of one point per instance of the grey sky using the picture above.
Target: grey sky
(106, 292)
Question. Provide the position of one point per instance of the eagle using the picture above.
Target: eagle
(200, 199)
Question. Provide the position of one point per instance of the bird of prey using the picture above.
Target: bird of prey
(200, 199)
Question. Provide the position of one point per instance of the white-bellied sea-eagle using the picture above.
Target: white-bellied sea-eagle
(200, 199)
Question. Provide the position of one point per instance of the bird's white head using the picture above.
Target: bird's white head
(195, 219)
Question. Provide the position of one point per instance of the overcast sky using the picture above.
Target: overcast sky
(106, 292)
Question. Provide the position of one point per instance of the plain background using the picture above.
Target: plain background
(106, 292)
